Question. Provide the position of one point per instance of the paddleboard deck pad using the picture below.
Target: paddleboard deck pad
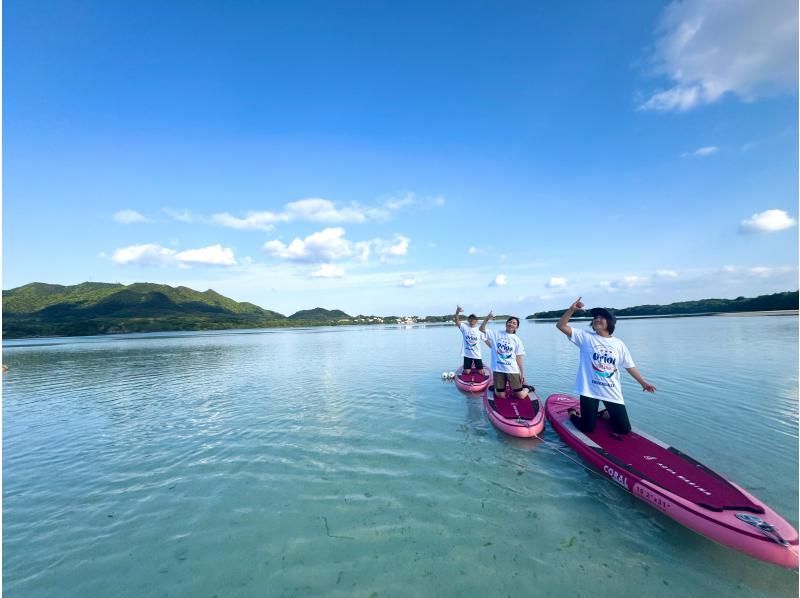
(475, 381)
(679, 486)
(516, 417)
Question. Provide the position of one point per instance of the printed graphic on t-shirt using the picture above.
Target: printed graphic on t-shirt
(604, 361)
(504, 350)
(471, 338)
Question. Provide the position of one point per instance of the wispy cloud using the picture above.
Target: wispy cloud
(328, 271)
(408, 283)
(312, 210)
(325, 211)
(152, 254)
(499, 281)
(628, 282)
(709, 48)
(702, 152)
(769, 221)
(666, 274)
(129, 217)
(556, 282)
(180, 215)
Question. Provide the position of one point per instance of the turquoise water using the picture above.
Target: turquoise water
(335, 461)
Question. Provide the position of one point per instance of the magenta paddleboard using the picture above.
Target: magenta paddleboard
(679, 486)
(472, 382)
(516, 417)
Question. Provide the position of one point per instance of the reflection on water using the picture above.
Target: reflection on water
(336, 461)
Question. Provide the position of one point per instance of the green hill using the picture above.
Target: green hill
(39, 309)
(319, 313)
(775, 302)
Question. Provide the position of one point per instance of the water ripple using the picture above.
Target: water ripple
(335, 461)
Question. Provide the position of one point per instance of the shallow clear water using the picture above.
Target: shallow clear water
(335, 461)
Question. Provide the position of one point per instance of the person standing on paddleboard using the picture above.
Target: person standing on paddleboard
(473, 338)
(602, 356)
(507, 351)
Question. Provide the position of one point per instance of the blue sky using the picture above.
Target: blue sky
(387, 158)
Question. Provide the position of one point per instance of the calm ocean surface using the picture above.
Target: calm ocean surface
(335, 461)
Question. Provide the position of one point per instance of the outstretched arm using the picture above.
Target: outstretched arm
(483, 326)
(646, 386)
(563, 323)
(459, 309)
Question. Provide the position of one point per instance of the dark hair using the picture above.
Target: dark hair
(513, 318)
(472, 317)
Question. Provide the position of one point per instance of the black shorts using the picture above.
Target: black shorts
(468, 361)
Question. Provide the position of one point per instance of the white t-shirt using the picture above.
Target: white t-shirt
(601, 360)
(505, 348)
(473, 338)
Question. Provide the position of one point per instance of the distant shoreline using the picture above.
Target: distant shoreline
(308, 325)
(777, 312)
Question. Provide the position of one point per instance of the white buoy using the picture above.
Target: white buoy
(444, 375)
(452, 375)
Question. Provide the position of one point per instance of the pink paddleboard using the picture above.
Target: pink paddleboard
(679, 486)
(516, 417)
(474, 381)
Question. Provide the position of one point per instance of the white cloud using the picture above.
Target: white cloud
(323, 246)
(129, 217)
(148, 254)
(363, 249)
(666, 274)
(328, 271)
(556, 282)
(152, 254)
(330, 245)
(408, 283)
(499, 281)
(387, 250)
(710, 48)
(768, 221)
(473, 250)
(213, 255)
